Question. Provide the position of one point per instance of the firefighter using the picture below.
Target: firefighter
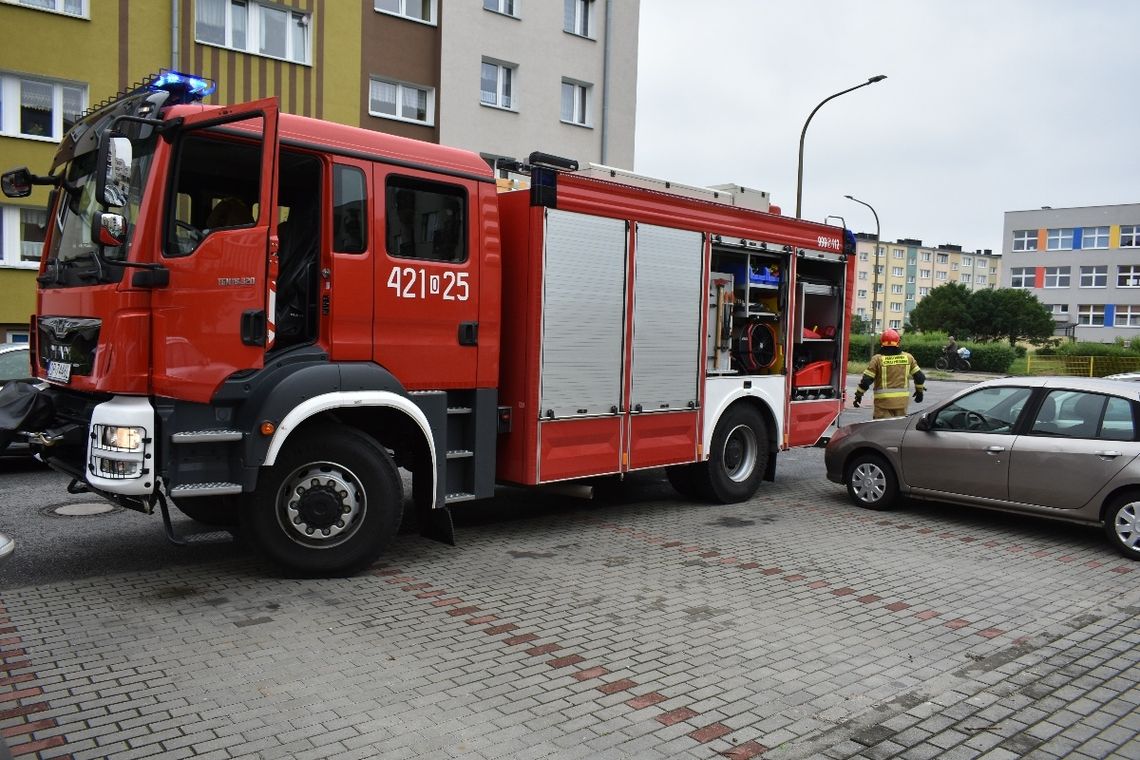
(890, 371)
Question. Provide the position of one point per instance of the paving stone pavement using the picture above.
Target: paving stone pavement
(791, 626)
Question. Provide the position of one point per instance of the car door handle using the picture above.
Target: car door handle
(1108, 454)
(994, 449)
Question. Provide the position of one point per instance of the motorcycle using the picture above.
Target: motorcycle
(959, 362)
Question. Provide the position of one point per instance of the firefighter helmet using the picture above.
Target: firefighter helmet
(889, 338)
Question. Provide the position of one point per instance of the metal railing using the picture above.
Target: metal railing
(1081, 366)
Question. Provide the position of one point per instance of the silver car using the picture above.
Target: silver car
(1059, 447)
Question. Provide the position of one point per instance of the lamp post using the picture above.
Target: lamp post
(800, 172)
(874, 265)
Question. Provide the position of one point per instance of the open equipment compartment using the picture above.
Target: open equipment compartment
(750, 284)
(818, 326)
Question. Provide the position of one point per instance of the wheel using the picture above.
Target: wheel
(686, 480)
(329, 506)
(964, 365)
(217, 511)
(1122, 524)
(941, 363)
(738, 456)
(871, 482)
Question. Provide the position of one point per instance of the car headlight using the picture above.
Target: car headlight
(117, 438)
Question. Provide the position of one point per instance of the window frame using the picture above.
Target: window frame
(12, 237)
(1061, 277)
(581, 100)
(1097, 235)
(394, 184)
(58, 6)
(1129, 310)
(578, 18)
(1057, 237)
(1090, 311)
(500, 5)
(254, 27)
(1132, 233)
(512, 86)
(401, 88)
(1025, 240)
(1092, 273)
(11, 119)
(402, 12)
(1022, 278)
(1132, 273)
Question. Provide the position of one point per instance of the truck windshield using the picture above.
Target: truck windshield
(76, 209)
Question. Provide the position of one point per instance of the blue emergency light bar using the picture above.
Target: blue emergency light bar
(183, 88)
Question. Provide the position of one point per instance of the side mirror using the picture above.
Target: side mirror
(110, 229)
(113, 178)
(923, 422)
(17, 183)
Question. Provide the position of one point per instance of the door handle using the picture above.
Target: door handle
(994, 449)
(1108, 454)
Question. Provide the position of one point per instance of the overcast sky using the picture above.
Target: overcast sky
(989, 106)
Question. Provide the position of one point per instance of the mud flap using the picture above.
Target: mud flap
(437, 525)
(23, 407)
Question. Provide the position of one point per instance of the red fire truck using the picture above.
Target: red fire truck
(261, 316)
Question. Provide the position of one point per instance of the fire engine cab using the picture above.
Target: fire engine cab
(261, 317)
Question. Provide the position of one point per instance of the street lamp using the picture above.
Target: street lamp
(874, 265)
(800, 172)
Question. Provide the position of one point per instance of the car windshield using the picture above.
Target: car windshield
(991, 410)
(14, 364)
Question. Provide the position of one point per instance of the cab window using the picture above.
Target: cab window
(216, 186)
(425, 220)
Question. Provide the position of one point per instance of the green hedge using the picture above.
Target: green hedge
(984, 357)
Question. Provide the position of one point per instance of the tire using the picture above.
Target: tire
(738, 457)
(215, 511)
(872, 483)
(686, 480)
(941, 363)
(329, 506)
(1122, 524)
(964, 365)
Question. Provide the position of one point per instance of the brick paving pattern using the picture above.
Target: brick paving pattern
(791, 626)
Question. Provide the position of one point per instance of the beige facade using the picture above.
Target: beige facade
(908, 271)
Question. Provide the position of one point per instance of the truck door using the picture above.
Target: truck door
(219, 244)
(427, 280)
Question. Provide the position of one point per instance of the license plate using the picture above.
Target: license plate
(60, 372)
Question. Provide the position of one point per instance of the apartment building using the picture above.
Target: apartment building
(501, 77)
(902, 273)
(1083, 263)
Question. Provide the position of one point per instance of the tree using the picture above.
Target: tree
(860, 325)
(946, 308)
(1010, 313)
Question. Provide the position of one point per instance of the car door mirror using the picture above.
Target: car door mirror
(923, 422)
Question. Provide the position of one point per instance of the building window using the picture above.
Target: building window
(924, 274)
(878, 287)
(1090, 314)
(576, 17)
(70, 7)
(1022, 277)
(910, 279)
(1127, 315)
(417, 10)
(1128, 276)
(965, 278)
(47, 109)
(898, 253)
(923, 292)
(942, 258)
(21, 236)
(878, 269)
(1059, 239)
(862, 275)
(1094, 237)
(926, 255)
(981, 279)
(981, 264)
(897, 289)
(506, 7)
(1094, 277)
(864, 256)
(910, 296)
(967, 262)
(940, 275)
(896, 271)
(1025, 240)
(404, 102)
(862, 293)
(896, 306)
(1056, 277)
(576, 103)
(896, 323)
(497, 85)
(954, 267)
(1059, 310)
(250, 27)
(1130, 236)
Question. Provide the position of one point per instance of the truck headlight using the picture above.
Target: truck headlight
(115, 468)
(117, 438)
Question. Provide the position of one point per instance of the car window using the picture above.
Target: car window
(987, 410)
(14, 364)
(1074, 414)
